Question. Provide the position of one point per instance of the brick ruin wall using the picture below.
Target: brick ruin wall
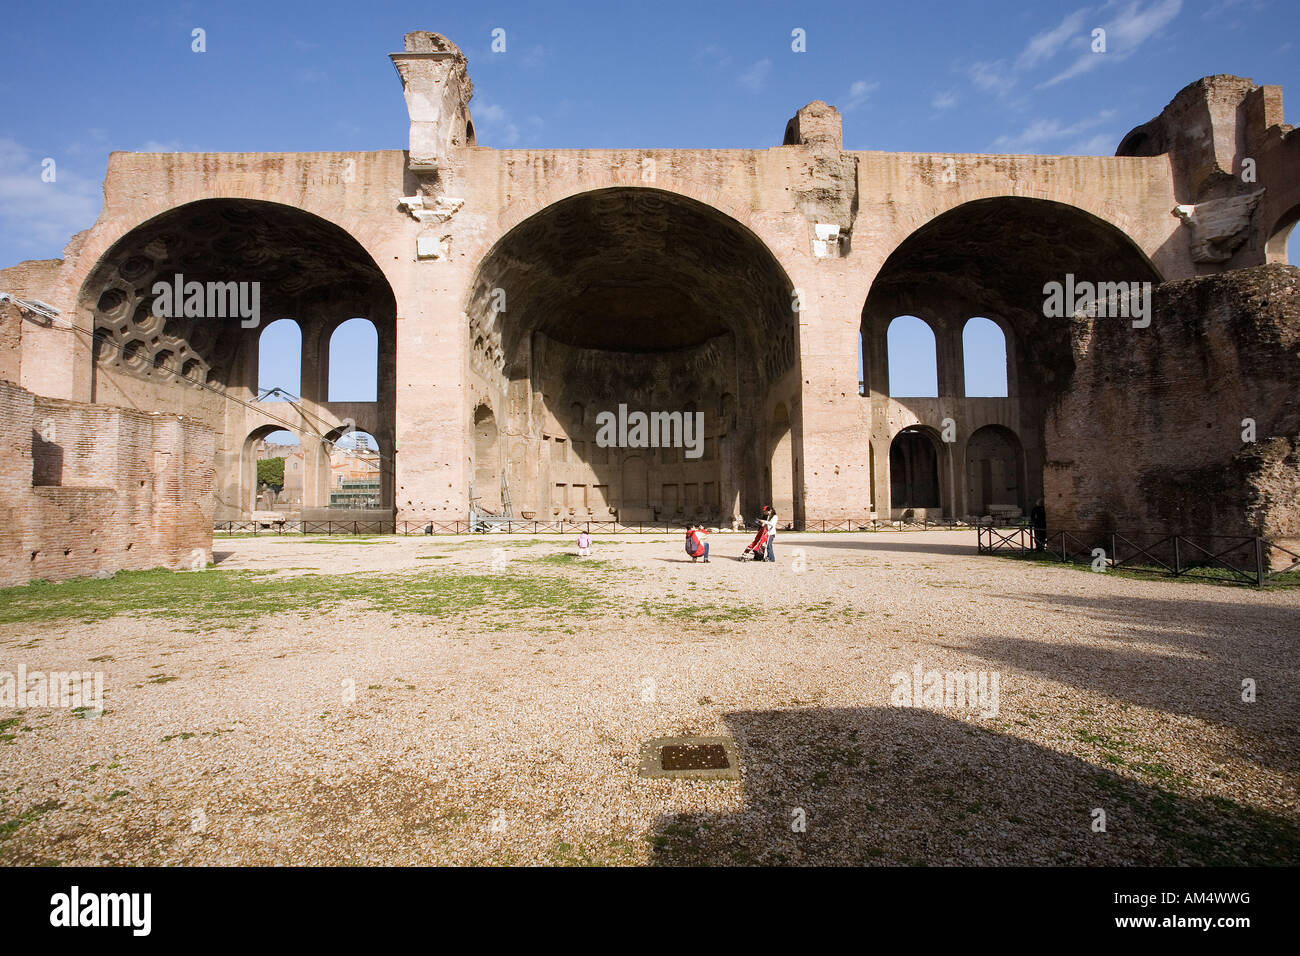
(1150, 434)
(93, 489)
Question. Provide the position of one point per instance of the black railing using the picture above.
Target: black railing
(1243, 559)
(556, 526)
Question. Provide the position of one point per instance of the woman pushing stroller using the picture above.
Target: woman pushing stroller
(760, 549)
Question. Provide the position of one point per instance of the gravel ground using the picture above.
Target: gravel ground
(513, 736)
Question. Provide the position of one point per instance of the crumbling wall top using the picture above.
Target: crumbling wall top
(818, 125)
(426, 41)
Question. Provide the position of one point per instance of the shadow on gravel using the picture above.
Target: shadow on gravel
(887, 544)
(901, 786)
(1213, 646)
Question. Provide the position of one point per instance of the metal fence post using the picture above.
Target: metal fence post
(1259, 562)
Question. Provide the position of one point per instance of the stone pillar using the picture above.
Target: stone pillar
(438, 89)
(949, 354)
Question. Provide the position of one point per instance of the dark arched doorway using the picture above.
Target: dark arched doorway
(631, 313)
(914, 475)
(994, 463)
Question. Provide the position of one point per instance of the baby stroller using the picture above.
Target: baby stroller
(756, 549)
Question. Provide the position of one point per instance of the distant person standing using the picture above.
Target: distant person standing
(584, 545)
(769, 519)
(1038, 520)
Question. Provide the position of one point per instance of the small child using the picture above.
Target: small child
(584, 545)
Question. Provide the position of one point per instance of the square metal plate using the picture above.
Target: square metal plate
(692, 758)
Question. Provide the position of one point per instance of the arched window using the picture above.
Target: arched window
(354, 362)
(913, 362)
(279, 361)
(984, 347)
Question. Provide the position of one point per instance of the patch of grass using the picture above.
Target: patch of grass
(702, 613)
(570, 560)
(9, 827)
(216, 598)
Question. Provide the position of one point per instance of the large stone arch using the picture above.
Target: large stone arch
(642, 298)
(301, 266)
(991, 257)
(628, 175)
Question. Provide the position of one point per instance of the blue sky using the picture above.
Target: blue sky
(87, 78)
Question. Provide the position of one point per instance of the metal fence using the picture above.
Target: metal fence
(566, 526)
(1243, 559)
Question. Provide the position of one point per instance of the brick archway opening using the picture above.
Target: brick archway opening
(629, 302)
(178, 305)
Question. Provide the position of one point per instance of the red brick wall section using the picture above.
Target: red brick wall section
(15, 481)
(91, 489)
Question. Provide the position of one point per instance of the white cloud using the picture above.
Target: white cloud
(494, 126)
(38, 218)
(992, 76)
(755, 77)
(1045, 45)
(1125, 33)
(944, 100)
(158, 146)
(1102, 144)
(1045, 131)
(858, 94)
(714, 55)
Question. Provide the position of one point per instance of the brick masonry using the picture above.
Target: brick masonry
(94, 489)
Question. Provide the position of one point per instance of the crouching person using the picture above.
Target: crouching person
(696, 546)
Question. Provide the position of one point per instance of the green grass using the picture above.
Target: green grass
(9, 827)
(702, 613)
(212, 599)
(569, 560)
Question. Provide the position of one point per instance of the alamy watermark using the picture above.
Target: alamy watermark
(72, 689)
(938, 690)
(208, 300)
(1098, 300)
(626, 429)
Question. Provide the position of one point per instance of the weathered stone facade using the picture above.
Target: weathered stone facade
(91, 489)
(1194, 427)
(518, 294)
